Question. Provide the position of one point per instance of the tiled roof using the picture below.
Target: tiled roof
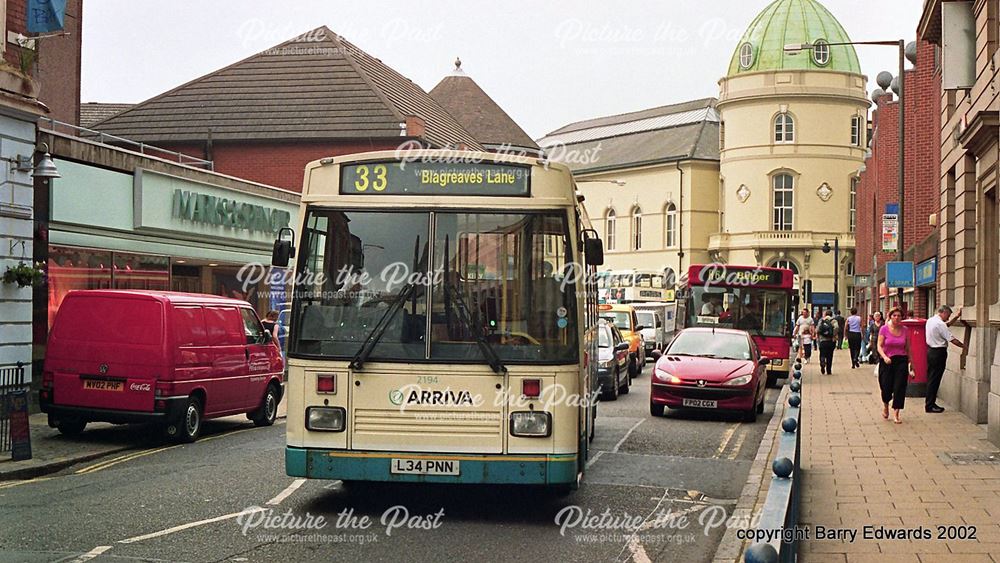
(315, 86)
(95, 112)
(477, 112)
(664, 134)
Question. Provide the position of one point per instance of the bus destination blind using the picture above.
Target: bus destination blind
(435, 178)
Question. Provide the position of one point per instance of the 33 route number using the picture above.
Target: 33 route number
(373, 178)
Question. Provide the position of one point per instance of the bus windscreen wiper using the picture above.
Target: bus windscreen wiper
(471, 320)
(381, 326)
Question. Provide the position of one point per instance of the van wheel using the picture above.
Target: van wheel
(268, 411)
(187, 428)
(71, 426)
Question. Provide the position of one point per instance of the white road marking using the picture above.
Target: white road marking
(91, 554)
(288, 491)
(190, 525)
(594, 459)
(625, 437)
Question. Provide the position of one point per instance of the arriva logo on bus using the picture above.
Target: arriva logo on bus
(445, 397)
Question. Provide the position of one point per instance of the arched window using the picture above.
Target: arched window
(746, 56)
(821, 52)
(786, 264)
(856, 134)
(671, 230)
(784, 201)
(637, 229)
(784, 128)
(854, 204)
(609, 229)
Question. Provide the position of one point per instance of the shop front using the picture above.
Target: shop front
(152, 230)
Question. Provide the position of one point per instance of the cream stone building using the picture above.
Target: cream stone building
(792, 141)
(650, 181)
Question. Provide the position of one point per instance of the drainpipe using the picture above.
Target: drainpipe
(680, 221)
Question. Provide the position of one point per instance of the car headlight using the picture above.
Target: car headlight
(741, 380)
(666, 377)
(325, 419)
(531, 424)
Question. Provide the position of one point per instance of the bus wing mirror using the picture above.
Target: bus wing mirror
(593, 249)
(283, 249)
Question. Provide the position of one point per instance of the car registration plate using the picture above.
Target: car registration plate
(701, 403)
(103, 385)
(424, 466)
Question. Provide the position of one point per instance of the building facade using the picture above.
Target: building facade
(650, 183)
(969, 210)
(792, 142)
(878, 189)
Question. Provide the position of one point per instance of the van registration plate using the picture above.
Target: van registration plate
(424, 466)
(103, 385)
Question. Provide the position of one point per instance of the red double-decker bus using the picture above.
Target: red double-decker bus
(758, 300)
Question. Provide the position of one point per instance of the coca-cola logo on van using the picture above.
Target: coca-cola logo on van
(140, 387)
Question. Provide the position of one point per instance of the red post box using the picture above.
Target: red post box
(917, 385)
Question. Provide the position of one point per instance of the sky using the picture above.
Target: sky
(546, 63)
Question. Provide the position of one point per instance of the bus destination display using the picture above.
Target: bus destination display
(434, 178)
(722, 275)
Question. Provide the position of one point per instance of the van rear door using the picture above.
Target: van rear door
(107, 351)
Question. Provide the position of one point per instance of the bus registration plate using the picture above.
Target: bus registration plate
(424, 466)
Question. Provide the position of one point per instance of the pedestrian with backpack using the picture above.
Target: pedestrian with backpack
(827, 333)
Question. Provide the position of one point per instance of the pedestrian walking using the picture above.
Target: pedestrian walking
(873, 328)
(938, 336)
(841, 328)
(894, 351)
(854, 337)
(804, 328)
(827, 336)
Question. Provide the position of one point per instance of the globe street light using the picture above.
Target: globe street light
(836, 270)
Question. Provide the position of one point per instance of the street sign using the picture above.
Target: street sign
(862, 280)
(899, 274)
(890, 232)
(822, 298)
(926, 273)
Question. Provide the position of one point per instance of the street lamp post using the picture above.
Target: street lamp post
(836, 270)
(900, 84)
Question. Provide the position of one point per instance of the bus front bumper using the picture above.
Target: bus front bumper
(519, 469)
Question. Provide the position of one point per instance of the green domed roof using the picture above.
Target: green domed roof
(793, 21)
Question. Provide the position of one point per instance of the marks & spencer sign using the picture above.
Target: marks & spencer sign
(221, 211)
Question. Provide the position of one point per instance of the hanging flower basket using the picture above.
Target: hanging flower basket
(24, 275)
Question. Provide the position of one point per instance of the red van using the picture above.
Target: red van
(146, 356)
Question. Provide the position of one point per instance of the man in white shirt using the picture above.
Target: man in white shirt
(938, 336)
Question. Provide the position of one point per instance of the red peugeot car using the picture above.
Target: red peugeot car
(710, 368)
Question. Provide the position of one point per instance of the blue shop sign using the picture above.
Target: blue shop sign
(899, 274)
(926, 273)
(822, 298)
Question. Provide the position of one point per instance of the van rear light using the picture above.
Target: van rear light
(531, 388)
(47, 378)
(326, 383)
(164, 389)
(160, 405)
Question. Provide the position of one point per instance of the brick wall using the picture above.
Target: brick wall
(278, 163)
(878, 185)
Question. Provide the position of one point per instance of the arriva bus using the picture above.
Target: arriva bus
(758, 300)
(635, 286)
(443, 322)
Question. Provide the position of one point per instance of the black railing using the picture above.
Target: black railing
(11, 381)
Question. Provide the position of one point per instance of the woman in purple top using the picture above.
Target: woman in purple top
(894, 349)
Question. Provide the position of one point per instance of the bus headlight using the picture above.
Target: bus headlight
(530, 424)
(741, 380)
(325, 419)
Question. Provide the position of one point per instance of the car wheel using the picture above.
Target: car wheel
(625, 386)
(655, 409)
(268, 411)
(633, 367)
(751, 415)
(612, 394)
(71, 426)
(760, 407)
(593, 423)
(772, 380)
(187, 428)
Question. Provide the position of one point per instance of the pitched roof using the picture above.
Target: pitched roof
(315, 86)
(95, 112)
(477, 112)
(686, 131)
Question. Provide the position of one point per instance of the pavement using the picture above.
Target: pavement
(935, 475)
(52, 452)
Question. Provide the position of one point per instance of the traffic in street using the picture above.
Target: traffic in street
(226, 498)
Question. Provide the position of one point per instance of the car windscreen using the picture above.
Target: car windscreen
(723, 345)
